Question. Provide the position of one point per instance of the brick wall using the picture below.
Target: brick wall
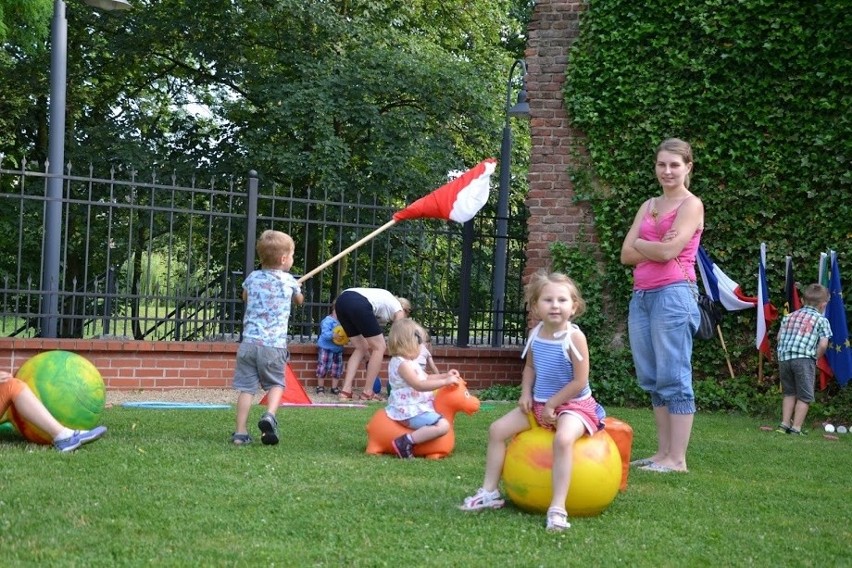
(160, 365)
(553, 214)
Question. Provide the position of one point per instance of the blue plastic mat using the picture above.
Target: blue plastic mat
(157, 405)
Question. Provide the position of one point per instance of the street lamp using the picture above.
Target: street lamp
(56, 158)
(521, 108)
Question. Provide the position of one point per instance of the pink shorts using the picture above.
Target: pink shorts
(585, 410)
(9, 391)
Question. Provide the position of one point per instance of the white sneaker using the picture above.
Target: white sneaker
(482, 500)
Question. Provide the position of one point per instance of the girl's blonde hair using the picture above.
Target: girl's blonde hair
(532, 291)
(406, 305)
(404, 338)
(272, 245)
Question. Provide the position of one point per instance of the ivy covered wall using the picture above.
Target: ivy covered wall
(759, 88)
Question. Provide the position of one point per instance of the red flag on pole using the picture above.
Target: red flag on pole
(458, 200)
(824, 372)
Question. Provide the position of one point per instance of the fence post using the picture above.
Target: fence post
(223, 305)
(236, 303)
(251, 222)
(110, 294)
(463, 339)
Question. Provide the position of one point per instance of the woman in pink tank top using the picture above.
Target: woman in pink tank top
(661, 247)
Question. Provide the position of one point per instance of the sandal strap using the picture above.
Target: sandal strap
(557, 518)
(364, 395)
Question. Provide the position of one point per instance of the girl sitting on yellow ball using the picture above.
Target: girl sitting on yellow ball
(554, 387)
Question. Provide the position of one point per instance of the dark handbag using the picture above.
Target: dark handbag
(711, 316)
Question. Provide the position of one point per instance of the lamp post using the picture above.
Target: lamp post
(56, 158)
(521, 108)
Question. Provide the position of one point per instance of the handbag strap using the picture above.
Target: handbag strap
(686, 276)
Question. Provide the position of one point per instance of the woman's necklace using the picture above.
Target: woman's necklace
(655, 213)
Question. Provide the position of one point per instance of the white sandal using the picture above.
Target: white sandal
(557, 519)
(482, 500)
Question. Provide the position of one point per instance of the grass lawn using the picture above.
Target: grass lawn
(166, 488)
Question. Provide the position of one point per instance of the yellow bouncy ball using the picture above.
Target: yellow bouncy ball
(338, 336)
(595, 476)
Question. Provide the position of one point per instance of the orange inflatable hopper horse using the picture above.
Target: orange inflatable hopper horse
(450, 399)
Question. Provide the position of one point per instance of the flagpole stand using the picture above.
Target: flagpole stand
(725, 349)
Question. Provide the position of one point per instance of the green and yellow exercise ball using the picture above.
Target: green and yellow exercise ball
(69, 386)
(595, 475)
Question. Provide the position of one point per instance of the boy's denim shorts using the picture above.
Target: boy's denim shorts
(660, 326)
(259, 366)
(421, 420)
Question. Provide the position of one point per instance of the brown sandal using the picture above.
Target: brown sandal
(370, 397)
(344, 396)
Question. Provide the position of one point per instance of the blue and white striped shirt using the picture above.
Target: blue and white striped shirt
(553, 366)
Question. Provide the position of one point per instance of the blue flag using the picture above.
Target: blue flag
(839, 353)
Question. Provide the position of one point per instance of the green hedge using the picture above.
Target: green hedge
(760, 90)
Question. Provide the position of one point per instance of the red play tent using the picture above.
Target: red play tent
(294, 393)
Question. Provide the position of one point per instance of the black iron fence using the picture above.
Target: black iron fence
(149, 260)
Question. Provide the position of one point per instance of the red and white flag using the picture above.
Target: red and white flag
(458, 200)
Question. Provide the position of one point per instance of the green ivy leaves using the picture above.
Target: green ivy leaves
(760, 89)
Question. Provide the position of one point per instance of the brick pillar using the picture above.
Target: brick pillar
(553, 216)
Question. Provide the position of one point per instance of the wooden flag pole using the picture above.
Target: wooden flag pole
(725, 349)
(760, 366)
(347, 250)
